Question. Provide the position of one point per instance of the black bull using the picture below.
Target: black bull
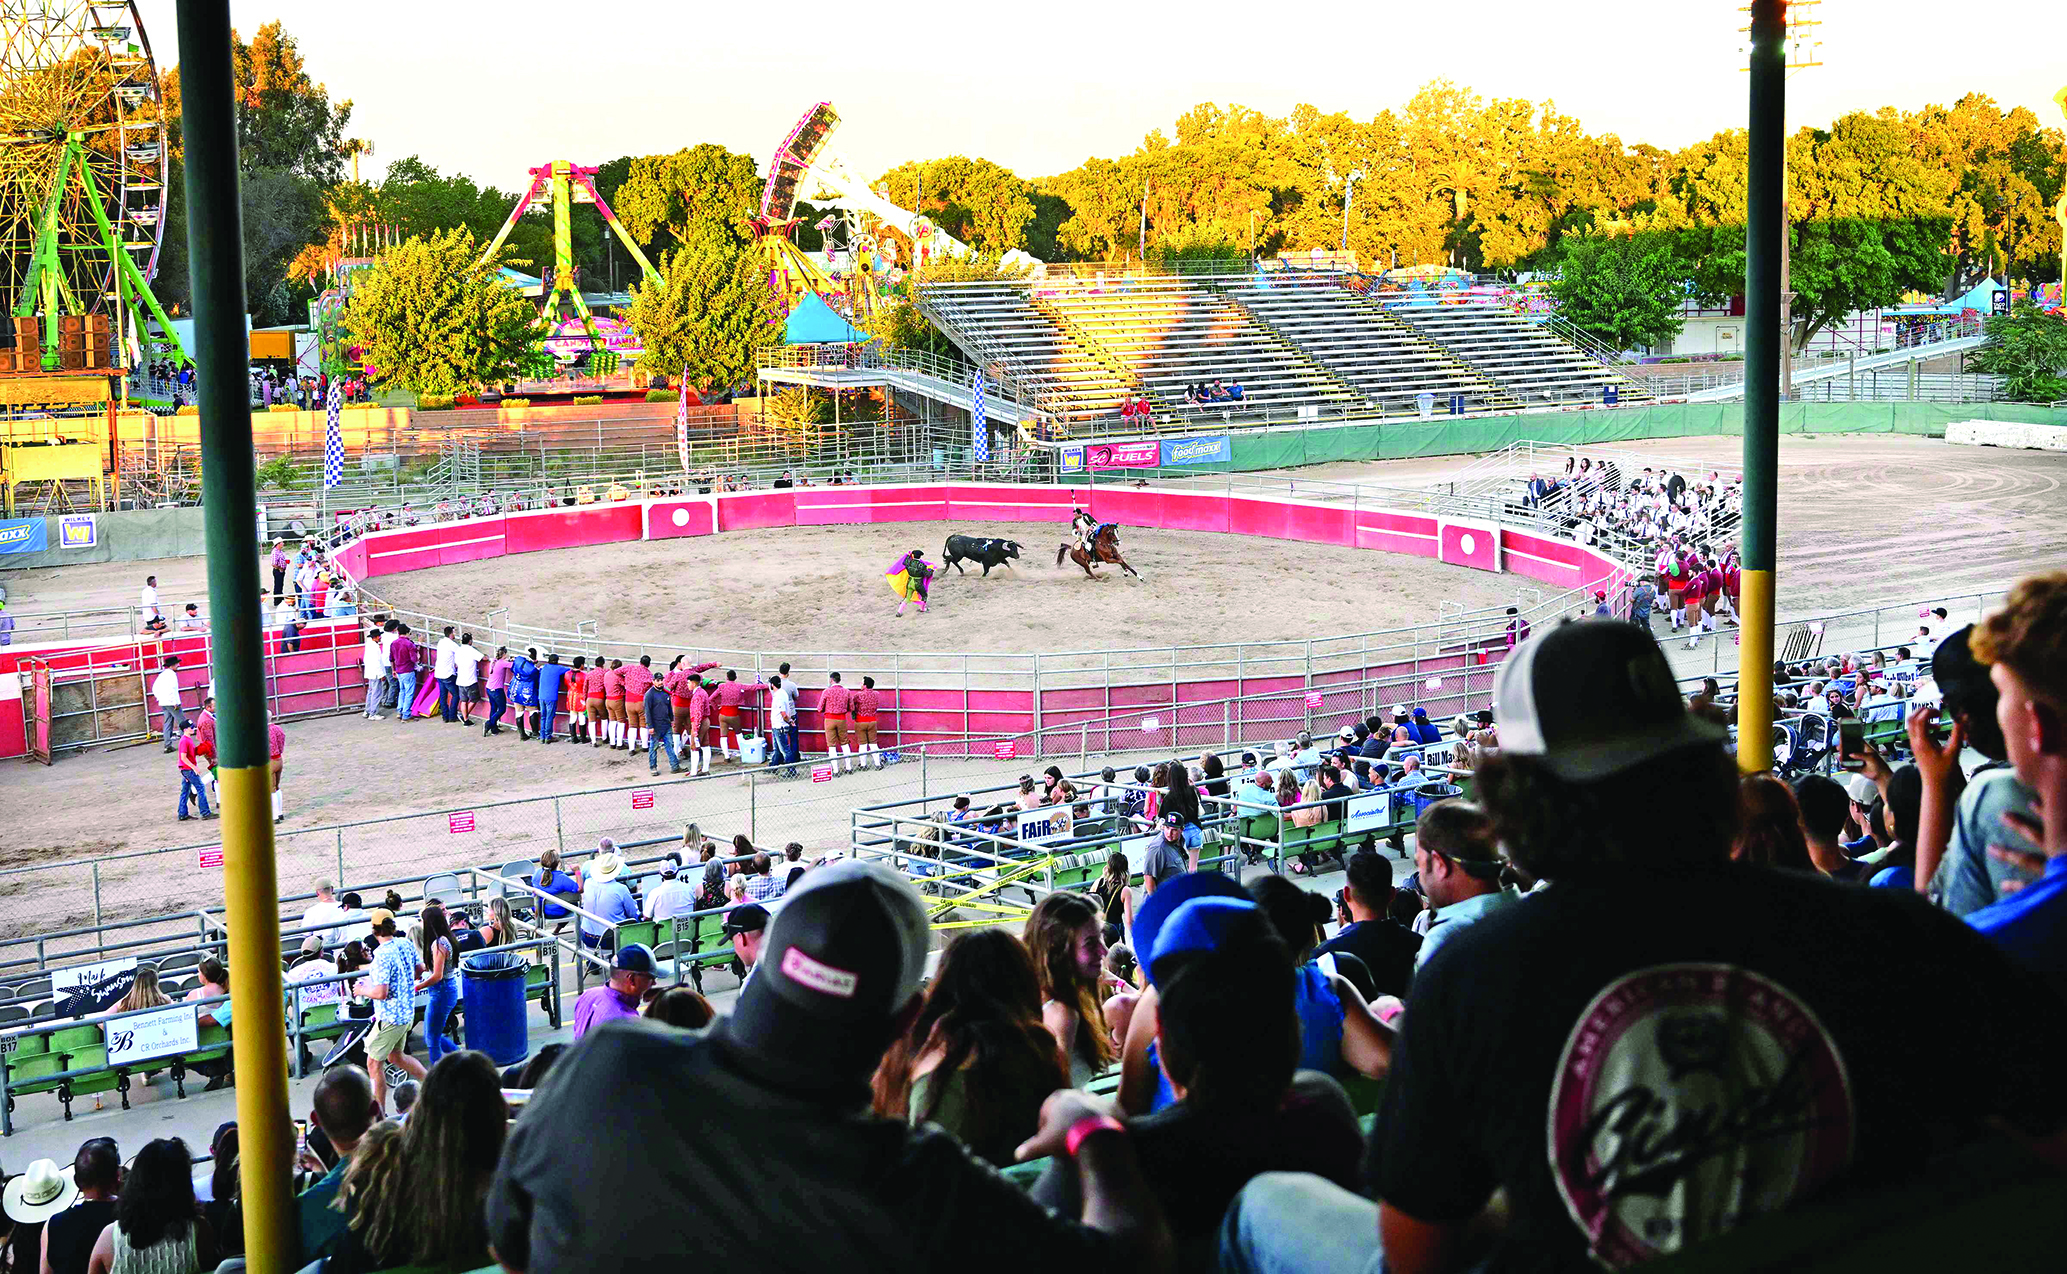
(983, 551)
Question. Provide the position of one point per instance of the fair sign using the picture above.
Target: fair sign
(175, 1029)
(1040, 825)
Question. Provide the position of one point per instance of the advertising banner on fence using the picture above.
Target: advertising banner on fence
(78, 531)
(23, 535)
(147, 1035)
(1122, 455)
(1184, 451)
(1039, 825)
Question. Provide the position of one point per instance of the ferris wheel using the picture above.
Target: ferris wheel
(83, 165)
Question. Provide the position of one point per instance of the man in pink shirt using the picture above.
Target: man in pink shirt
(835, 708)
(276, 760)
(631, 976)
(190, 767)
(731, 694)
(866, 702)
(638, 678)
(613, 702)
(700, 712)
(684, 685)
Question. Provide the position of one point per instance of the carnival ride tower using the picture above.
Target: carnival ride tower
(569, 184)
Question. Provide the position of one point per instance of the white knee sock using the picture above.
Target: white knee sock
(279, 805)
(706, 751)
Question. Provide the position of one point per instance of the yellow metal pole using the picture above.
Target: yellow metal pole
(251, 896)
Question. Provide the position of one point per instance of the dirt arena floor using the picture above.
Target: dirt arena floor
(1863, 520)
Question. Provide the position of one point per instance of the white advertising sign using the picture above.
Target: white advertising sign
(1041, 825)
(1371, 810)
(63, 981)
(175, 1029)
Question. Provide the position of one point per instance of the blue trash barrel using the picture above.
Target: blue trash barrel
(492, 987)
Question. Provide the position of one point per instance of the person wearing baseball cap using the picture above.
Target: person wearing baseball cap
(1167, 857)
(778, 1093)
(631, 976)
(1675, 972)
(745, 927)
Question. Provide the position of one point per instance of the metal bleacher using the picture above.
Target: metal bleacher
(1532, 365)
(1305, 347)
(1363, 343)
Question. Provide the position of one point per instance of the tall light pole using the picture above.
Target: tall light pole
(1348, 192)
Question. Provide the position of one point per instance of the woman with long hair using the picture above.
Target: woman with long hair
(1309, 813)
(977, 1061)
(1215, 784)
(417, 1197)
(499, 926)
(1769, 825)
(440, 978)
(145, 993)
(1066, 936)
(681, 1006)
(1111, 889)
(157, 1227)
(1287, 788)
(224, 1210)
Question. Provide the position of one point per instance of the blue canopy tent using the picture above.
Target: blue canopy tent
(813, 322)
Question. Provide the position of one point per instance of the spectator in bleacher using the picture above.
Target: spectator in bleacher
(605, 897)
(1893, 863)
(214, 985)
(681, 1007)
(1695, 967)
(1824, 807)
(343, 1108)
(1167, 857)
(1338, 1035)
(1228, 1038)
(1457, 860)
(325, 911)
(70, 1234)
(157, 1226)
(672, 897)
(1066, 935)
(2025, 647)
(1769, 825)
(746, 928)
(1957, 830)
(777, 1092)
(977, 1059)
(439, 983)
(416, 1193)
(631, 976)
(1386, 948)
(761, 885)
(391, 985)
(31, 1199)
(1114, 897)
(223, 1211)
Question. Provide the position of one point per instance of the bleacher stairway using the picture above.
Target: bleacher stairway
(1531, 364)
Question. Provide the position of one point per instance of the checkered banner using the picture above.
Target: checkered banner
(979, 428)
(333, 437)
(682, 421)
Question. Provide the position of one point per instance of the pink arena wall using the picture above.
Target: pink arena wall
(915, 714)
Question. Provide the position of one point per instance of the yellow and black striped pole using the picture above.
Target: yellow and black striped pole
(1763, 349)
(215, 253)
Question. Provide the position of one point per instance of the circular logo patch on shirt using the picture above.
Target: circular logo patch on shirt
(1691, 1098)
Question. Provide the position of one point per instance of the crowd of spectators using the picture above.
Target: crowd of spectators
(1596, 503)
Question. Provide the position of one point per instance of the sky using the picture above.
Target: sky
(492, 90)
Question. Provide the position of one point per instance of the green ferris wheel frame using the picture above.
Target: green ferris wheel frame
(44, 292)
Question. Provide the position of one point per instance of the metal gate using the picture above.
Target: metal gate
(36, 710)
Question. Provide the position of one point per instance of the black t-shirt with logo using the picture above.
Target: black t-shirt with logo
(1386, 947)
(1648, 1059)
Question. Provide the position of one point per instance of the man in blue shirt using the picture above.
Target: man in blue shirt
(552, 674)
(1458, 860)
(524, 679)
(606, 899)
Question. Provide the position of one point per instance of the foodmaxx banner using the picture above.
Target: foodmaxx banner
(28, 535)
(1184, 451)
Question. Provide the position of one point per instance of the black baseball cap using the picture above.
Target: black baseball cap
(633, 957)
(747, 917)
(846, 953)
(1593, 698)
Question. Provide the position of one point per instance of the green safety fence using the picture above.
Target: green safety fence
(1285, 448)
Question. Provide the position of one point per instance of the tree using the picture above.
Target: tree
(285, 120)
(2028, 349)
(665, 199)
(1625, 292)
(708, 314)
(434, 319)
(984, 205)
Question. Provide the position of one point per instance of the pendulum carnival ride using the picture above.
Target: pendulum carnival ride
(83, 163)
(560, 299)
(886, 241)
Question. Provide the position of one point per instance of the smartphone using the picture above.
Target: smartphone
(1851, 745)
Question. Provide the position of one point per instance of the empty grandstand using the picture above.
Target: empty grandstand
(1302, 347)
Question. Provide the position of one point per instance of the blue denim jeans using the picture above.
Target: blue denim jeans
(438, 1012)
(498, 703)
(1297, 1223)
(407, 695)
(448, 698)
(661, 740)
(190, 784)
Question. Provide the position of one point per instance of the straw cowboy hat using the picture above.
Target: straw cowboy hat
(41, 1192)
(605, 866)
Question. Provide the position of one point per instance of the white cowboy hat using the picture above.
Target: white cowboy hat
(41, 1192)
(605, 866)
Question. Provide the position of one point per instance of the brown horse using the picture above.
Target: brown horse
(1105, 548)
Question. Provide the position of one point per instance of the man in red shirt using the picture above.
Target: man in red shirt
(638, 678)
(836, 708)
(574, 693)
(191, 764)
(691, 704)
(731, 694)
(866, 702)
(276, 757)
(613, 701)
(699, 712)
